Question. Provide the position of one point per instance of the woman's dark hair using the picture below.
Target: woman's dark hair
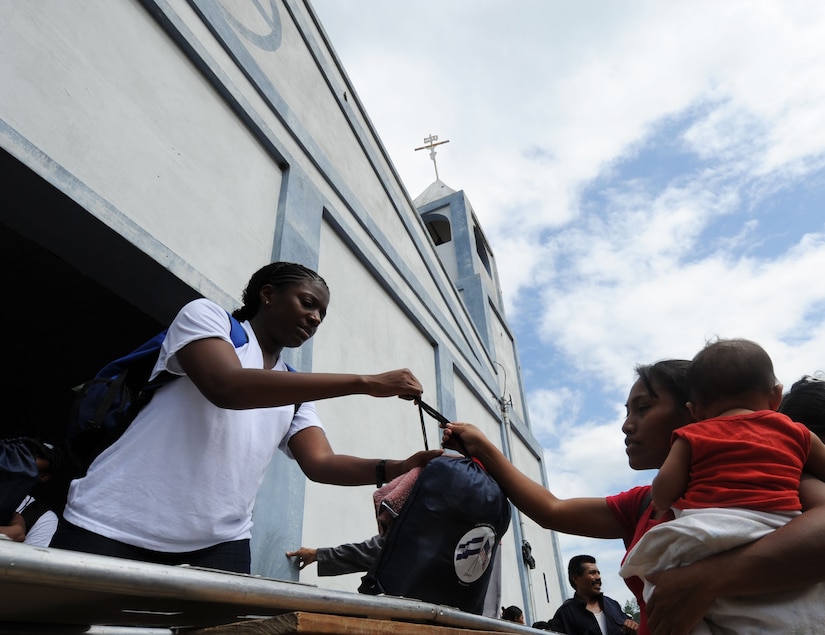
(670, 375)
(278, 274)
(805, 403)
(512, 613)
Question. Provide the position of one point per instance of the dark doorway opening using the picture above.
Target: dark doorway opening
(76, 295)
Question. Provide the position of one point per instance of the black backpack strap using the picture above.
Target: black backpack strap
(646, 500)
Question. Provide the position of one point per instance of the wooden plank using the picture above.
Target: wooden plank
(316, 624)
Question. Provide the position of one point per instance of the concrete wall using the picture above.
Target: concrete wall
(102, 91)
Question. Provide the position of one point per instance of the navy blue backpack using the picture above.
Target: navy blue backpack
(106, 404)
(441, 546)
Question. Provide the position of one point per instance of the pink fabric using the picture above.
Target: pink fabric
(390, 498)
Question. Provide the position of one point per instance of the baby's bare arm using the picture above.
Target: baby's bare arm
(672, 480)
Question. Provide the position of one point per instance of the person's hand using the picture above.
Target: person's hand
(401, 383)
(419, 459)
(464, 437)
(630, 627)
(16, 529)
(305, 555)
(679, 601)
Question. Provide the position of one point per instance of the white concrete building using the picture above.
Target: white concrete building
(154, 151)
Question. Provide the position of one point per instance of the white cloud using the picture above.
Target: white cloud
(636, 295)
(583, 83)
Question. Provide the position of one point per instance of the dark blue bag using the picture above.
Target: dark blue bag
(445, 538)
(18, 475)
(106, 405)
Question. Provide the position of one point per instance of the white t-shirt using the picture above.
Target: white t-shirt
(185, 473)
(41, 532)
(602, 621)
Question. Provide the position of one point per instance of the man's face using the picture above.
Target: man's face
(589, 583)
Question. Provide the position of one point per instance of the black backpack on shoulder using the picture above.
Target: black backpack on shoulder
(105, 405)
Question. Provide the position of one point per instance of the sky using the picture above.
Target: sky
(649, 175)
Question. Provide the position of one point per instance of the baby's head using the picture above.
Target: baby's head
(729, 374)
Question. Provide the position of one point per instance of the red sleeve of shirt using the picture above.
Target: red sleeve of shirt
(627, 508)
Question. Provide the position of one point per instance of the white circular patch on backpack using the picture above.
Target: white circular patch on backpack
(474, 552)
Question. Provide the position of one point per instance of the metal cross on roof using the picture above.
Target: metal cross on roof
(431, 142)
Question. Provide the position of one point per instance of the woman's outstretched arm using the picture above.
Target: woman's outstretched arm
(320, 463)
(582, 516)
(213, 366)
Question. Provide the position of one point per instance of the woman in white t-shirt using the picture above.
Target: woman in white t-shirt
(179, 485)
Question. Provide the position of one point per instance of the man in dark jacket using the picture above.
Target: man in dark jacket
(589, 611)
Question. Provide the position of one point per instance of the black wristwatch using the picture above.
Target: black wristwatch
(380, 473)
